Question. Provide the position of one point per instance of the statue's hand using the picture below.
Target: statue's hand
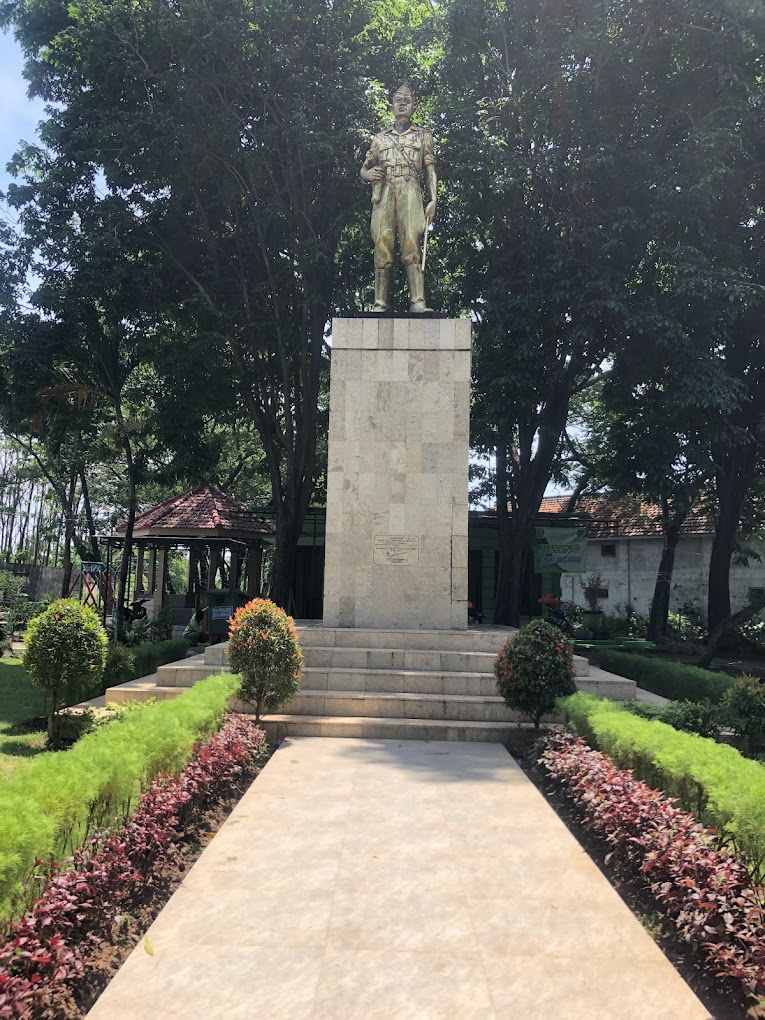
(373, 175)
(430, 211)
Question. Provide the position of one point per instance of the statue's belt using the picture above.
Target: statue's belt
(401, 170)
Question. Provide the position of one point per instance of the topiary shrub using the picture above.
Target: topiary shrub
(264, 650)
(65, 654)
(744, 704)
(534, 669)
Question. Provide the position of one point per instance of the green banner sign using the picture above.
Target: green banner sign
(564, 548)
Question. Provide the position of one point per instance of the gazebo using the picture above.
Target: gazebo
(224, 539)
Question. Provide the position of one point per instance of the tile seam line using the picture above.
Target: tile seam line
(471, 918)
(341, 852)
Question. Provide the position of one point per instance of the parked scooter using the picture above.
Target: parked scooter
(135, 611)
(555, 614)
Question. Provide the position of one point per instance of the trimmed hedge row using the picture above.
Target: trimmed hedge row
(49, 804)
(713, 781)
(147, 657)
(673, 680)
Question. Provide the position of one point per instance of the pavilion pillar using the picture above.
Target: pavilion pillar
(254, 567)
(233, 570)
(213, 568)
(138, 587)
(152, 570)
(159, 594)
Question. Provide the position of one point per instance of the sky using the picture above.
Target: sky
(19, 115)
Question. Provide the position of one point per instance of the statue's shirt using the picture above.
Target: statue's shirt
(402, 154)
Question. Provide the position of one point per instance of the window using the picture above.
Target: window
(608, 549)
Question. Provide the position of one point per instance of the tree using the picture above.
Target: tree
(65, 653)
(230, 142)
(589, 147)
(646, 437)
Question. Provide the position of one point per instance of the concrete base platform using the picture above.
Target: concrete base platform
(387, 880)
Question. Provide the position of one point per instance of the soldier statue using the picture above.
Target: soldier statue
(394, 166)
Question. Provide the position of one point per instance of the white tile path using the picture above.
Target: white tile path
(395, 879)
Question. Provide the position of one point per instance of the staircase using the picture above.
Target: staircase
(417, 684)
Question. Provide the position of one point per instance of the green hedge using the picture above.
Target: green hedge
(672, 680)
(713, 781)
(48, 804)
(147, 657)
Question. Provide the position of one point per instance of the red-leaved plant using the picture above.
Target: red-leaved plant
(699, 885)
(78, 906)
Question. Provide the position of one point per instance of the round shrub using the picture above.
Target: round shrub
(744, 705)
(534, 669)
(264, 650)
(120, 666)
(65, 654)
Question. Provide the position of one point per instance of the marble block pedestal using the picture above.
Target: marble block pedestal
(397, 492)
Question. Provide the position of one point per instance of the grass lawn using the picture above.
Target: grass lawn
(19, 701)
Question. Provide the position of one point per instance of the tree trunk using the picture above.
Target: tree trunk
(68, 510)
(735, 473)
(127, 551)
(288, 528)
(96, 552)
(717, 636)
(53, 721)
(657, 621)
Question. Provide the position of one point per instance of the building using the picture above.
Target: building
(625, 542)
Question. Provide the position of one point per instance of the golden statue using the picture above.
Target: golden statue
(393, 167)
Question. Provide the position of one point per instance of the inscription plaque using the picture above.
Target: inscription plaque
(403, 550)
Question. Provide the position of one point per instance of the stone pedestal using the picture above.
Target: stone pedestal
(397, 489)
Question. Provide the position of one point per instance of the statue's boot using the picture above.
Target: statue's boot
(382, 290)
(416, 280)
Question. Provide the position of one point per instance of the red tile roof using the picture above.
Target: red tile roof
(202, 509)
(632, 518)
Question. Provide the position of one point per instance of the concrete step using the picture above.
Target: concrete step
(402, 706)
(186, 672)
(397, 681)
(472, 639)
(279, 726)
(417, 676)
(140, 690)
(399, 658)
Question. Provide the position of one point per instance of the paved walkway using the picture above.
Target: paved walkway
(387, 879)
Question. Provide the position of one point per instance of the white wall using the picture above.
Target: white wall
(630, 576)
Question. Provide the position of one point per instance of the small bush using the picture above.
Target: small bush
(672, 680)
(702, 888)
(65, 654)
(120, 666)
(161, 627)
(263, 648)
(702, 717)
(534, 669)
(745, 706)
(712, 781)
(49, 803)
